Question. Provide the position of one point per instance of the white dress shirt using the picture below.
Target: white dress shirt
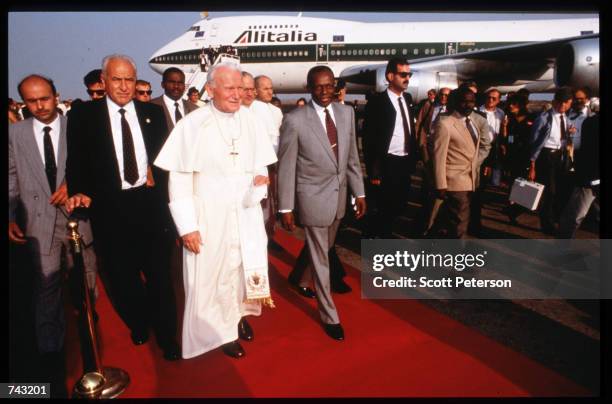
(494, 119)
(170, 105)
(139, 146)
(321, 114)
(396, 147)
(554, 140)
(39, 134)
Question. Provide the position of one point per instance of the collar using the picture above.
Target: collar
(221, 113)
(170, 101)
(113, 108)
(320, 109)
(55, 126)
(394, 96)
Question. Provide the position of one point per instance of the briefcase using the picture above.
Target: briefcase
(526, 193)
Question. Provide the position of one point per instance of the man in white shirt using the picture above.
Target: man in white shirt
(549, 138)
(175, 108)
(112, 143)
(37, 161)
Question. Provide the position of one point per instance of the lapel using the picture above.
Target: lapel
(106, 138)
(343, 133)
(320, 132)
(33, 156)
(62, 150)
(145, 127)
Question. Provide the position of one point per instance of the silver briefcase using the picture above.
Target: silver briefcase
(526, 193)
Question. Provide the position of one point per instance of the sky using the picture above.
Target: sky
(64, 46)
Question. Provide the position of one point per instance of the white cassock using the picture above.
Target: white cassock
(213, 158)
(271, 118)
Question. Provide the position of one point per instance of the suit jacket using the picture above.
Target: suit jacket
(310, 180)
(29, 188)
(587, 157)
(456, 159)
(378, 131)
(540, 132)
(187, 107)
(92, 167)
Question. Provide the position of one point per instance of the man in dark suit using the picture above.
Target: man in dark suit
(112, 143)
(390, 148)
(173, 83)
(37, 161)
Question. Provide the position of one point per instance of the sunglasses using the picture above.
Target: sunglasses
(404, 74)
(143, 92)
(101, 93)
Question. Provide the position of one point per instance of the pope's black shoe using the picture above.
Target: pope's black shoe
(335, 331)
(139, 337)
(340, 287)
(172, 352)
(233, 349)
(245, 332)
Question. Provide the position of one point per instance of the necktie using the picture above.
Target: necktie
(130, 168)
(50, 167)
(332, 133)
(406, 127)
(563, 129)
(470, 128)
(177, 113)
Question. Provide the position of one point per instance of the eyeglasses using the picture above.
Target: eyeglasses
(143, 92)
(404, 74)
(444, 94)
(100, 93)
(492, 98)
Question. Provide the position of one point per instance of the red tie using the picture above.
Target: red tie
(332, 133)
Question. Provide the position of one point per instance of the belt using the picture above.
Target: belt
(549, 150)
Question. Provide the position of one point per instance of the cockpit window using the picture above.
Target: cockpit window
(194, 28)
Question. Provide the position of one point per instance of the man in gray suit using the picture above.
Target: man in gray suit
(37, 161)
(317, 158)
(173, 83)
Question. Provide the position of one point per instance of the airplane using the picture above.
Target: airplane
(537, 54)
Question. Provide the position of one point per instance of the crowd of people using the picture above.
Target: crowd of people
(172, 182)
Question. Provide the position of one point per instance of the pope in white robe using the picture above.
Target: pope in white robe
(217, 157)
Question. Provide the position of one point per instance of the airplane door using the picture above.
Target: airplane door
(322, 53)
(451, 48)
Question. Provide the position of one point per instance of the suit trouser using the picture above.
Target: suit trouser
(548, 173)
(458, 209)
(49, 309)
(336, 269)
(130, 230)
(576, 210)
(318, 241)
(393, 195)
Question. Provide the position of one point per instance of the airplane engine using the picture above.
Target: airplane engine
(578, 65)
(420, 82)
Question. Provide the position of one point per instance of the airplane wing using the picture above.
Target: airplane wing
(574, 61)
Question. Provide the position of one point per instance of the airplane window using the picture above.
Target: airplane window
(433, 51)
(416, 51)
(377, 52)
(274, 54)
(343, 52)
(284, 54)
(371, 52)
(427, 51)
(258, 54)
(305, 53)
(300, 53)
(393, 51)
(332, 52)
(360, 52)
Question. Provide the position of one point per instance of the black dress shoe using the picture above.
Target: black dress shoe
(139, 337)
(172, 353)
(340, 287)
(245, 332)
(305, 291)
(335, 331)
(233, 349)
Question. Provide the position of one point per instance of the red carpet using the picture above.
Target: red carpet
(392, 348)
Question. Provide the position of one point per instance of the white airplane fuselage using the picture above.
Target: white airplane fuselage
(285, 48)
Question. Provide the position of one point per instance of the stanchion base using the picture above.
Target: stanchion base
(94, 385)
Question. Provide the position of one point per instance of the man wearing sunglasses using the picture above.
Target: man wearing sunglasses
(143, 91)
(93, 82)
(390, 148)
(173, 83)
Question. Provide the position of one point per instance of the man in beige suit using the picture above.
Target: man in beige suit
(460, 144)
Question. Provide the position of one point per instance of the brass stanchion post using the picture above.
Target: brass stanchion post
(101, 382)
